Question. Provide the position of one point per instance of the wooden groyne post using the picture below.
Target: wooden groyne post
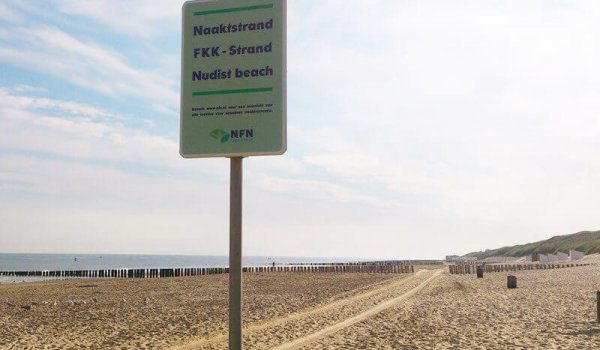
(598, 306)
(511, 281)
(362, 267)
(479, 271)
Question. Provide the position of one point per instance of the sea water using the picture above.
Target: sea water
(61, 262)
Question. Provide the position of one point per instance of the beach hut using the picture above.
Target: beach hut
(552, 257)
(543, 258)
(575, 255)
(562, 256)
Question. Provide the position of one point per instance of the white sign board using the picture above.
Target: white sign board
(233, 78)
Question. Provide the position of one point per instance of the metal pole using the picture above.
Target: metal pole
(235, 255)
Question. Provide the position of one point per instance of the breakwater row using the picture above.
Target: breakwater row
(379, 262)
(460, 269)
(201, 271)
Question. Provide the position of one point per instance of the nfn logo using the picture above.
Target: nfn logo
(233, 135)
(219, 135)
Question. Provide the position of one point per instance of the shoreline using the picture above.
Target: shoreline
(397, 266)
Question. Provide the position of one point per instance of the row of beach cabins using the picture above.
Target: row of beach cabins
(396, 266)
(469, 268)
(559, 256)
(536, 261)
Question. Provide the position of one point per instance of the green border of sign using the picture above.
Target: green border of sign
(270, 140)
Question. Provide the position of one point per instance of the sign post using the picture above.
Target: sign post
(235, 254)
(233, 101)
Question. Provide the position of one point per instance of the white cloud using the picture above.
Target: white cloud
(15, 99)
(314, 190)
(486, 113)
(371, 168)
(147, 19)
(40, 125)
(69, 129)
(9, 15)
(77, 203)
(101, 183)
(51, 51)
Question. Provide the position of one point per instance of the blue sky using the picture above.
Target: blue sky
(415, 129)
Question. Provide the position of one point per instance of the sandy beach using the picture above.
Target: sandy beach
(431, 309)
(551, 309)
(155, 313)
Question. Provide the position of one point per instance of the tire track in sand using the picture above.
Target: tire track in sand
(303, 341)
(254, 328)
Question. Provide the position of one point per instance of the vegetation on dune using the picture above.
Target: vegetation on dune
(585, 241)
